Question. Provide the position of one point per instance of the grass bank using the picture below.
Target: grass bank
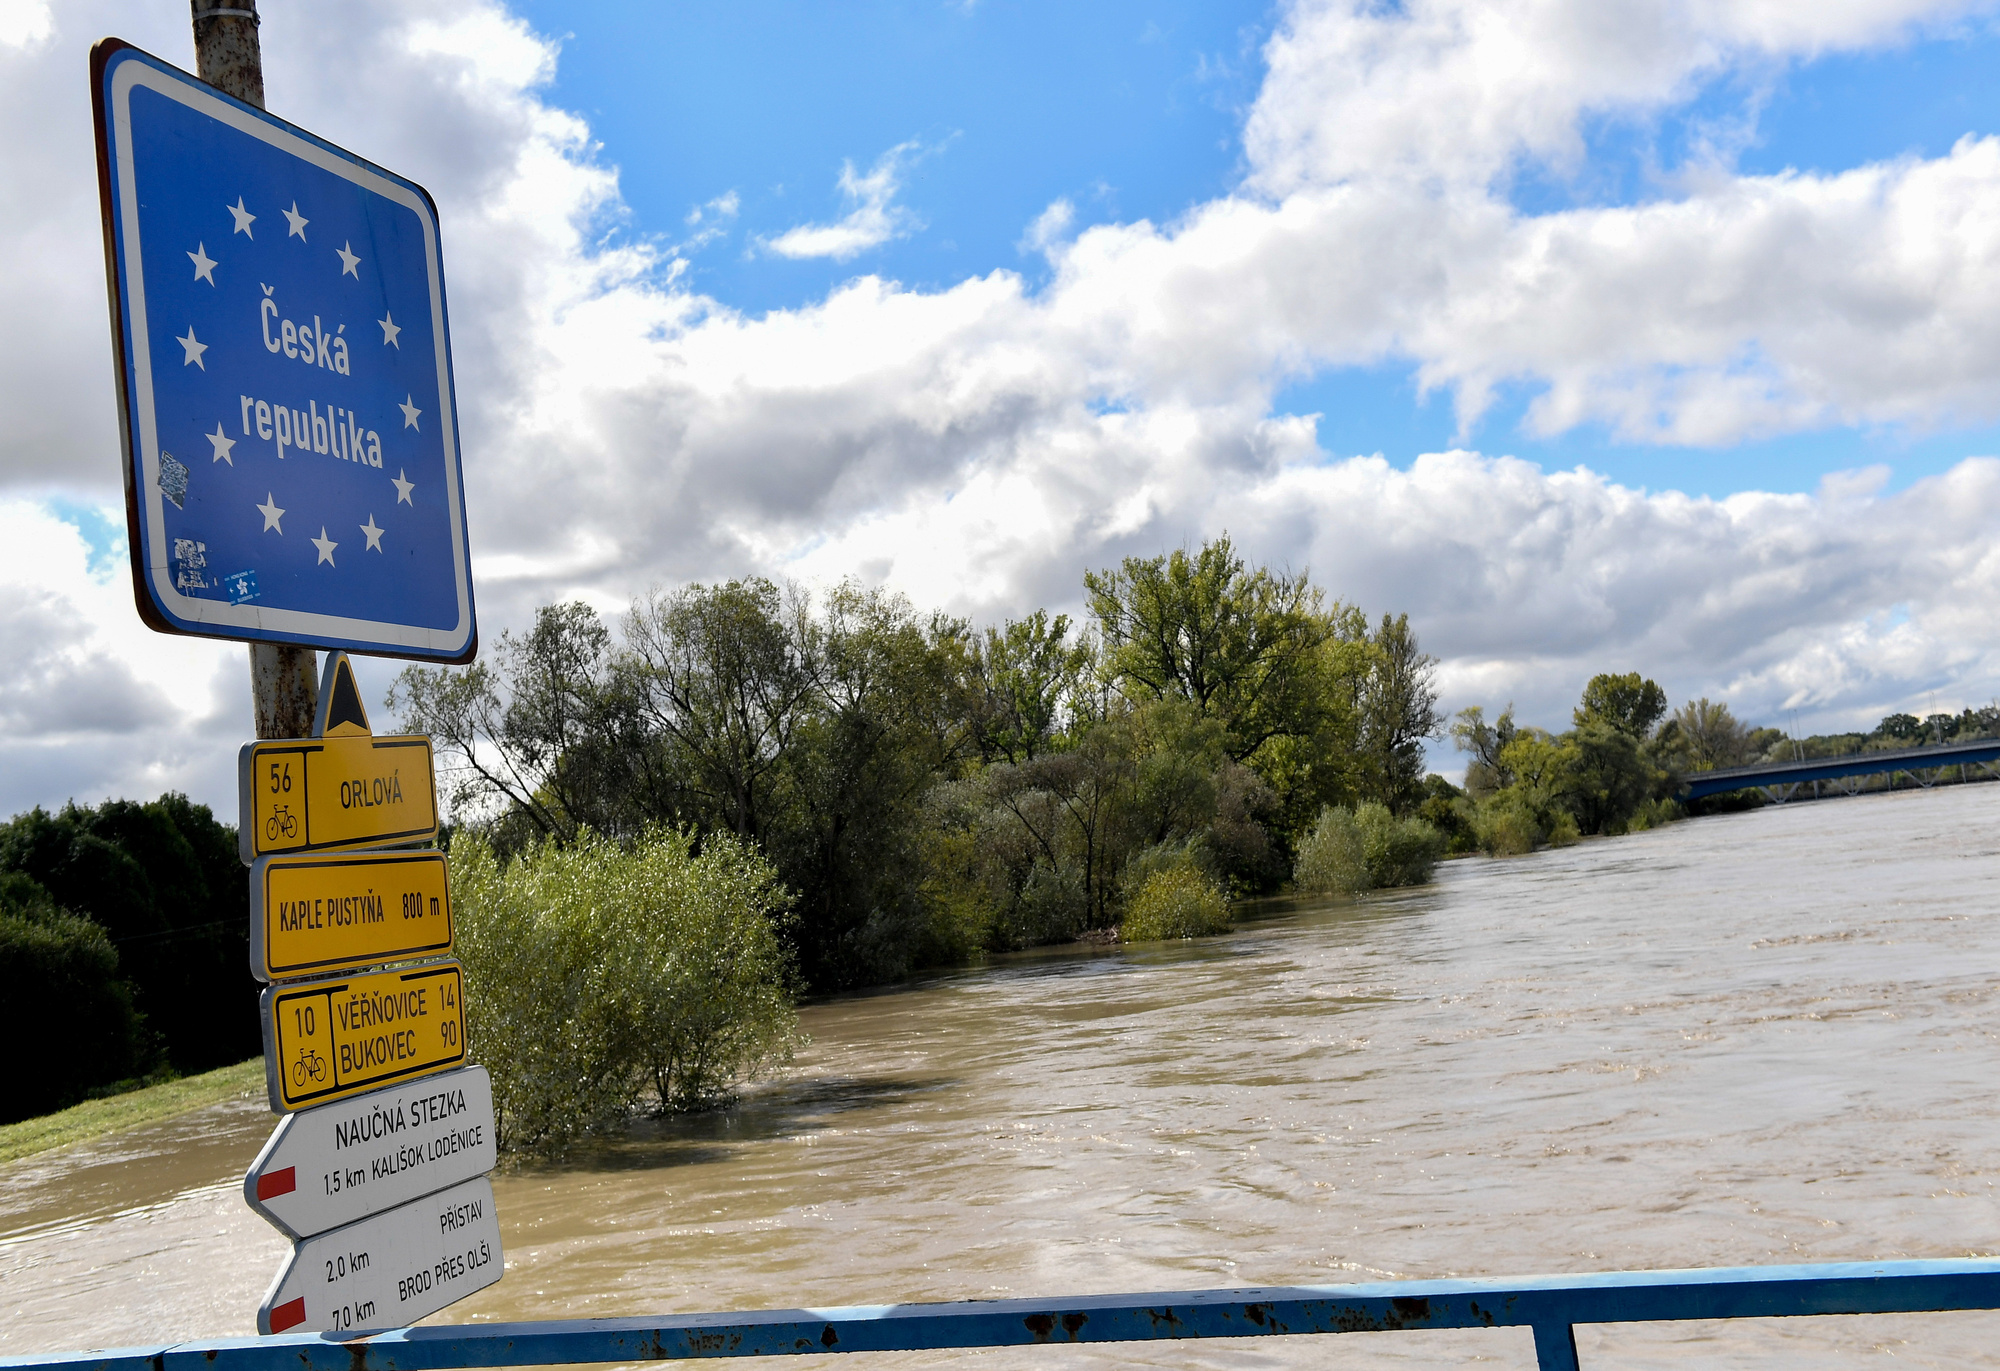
(94, 1118)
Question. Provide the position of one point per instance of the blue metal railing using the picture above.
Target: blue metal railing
(1550, 1305)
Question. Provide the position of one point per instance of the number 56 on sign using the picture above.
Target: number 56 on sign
(312, 794)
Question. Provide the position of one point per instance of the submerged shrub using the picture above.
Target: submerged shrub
(1050, 908)
(1653, 814)
(1398, 851)
(1448, 809)
(1333, 858)
(1180, 901)
(1366, 849)
(603, 979)
(1147, 862)
(1505, 827)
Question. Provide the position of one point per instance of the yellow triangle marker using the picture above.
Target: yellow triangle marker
(341, 713)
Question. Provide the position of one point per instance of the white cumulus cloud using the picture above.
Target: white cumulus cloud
(25, 22)
(91, 703)
(981, 444)
(873, 220)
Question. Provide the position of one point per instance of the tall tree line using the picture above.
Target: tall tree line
(124, 946)
(926, 788)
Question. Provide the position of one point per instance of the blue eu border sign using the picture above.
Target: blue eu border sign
(291, 438)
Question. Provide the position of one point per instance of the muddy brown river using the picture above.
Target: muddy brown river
(1763, 1038)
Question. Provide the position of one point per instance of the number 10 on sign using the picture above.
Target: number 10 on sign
(328, 1040)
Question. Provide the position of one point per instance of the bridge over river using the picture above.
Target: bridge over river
(1781, 781)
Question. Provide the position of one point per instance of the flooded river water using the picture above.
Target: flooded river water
(1756, 1039)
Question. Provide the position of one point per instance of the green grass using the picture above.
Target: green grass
(94, 1118)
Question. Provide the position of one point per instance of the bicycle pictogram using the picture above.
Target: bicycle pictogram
(283, 821)
(309, 1063)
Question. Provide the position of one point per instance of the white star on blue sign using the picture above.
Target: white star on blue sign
(302, 367)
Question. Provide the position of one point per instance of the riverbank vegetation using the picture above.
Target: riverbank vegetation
(669, 827)
(1616, 769)
(927, 790)
(1613, 771)
(1367, 848)
(605, 979)
(1178, 900)
(124, 942)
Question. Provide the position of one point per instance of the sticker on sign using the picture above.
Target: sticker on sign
(390, 1270)
(340, 1163)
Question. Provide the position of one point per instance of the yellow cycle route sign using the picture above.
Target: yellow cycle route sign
(327, 1040)
(318, 915)
(312, 794)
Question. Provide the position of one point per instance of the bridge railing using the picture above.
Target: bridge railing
(1935, 758)
(1552, 1306)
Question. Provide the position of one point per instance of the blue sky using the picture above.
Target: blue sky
(1134, 111)
(1129, 110)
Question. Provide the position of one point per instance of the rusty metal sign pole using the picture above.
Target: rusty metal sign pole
(284, 680)
(284, 683)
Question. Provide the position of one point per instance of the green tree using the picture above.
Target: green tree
(603, 978)
(1398, 712)
(163, 882)
(1904, 729)
(1324, 764)
(1447, 809)
(731, 709)
(200, 996)
(1240, 645)
(1629, 702)
(1541, 766)
(1592, 780)
(1978, 721)
(1057, 844)
(1064, 820)
(724, 676)
(925, 788)
(542, 742)
(1608, 776)
(1487, 772)
(62, 975)
(890, 718)
(1704, 736)
(1029, 673)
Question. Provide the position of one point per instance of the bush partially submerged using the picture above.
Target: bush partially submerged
(1654, 814)
(1177, 901)
(1508, 825)
(1333, 859)
(1506, 828)
(1366, 849)
(606, 979)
